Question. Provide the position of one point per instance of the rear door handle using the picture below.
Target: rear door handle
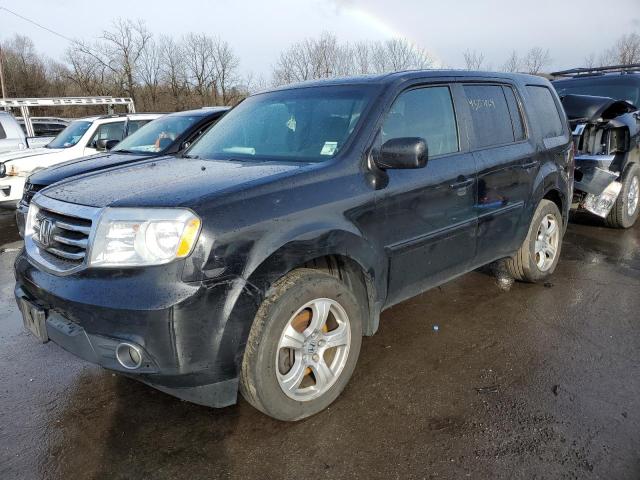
(461, 184)
(529, 165)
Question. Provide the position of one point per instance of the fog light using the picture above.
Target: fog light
(129, 356)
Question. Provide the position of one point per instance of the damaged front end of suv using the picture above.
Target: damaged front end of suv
(606, 134)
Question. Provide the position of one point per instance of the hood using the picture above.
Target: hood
(83, 165)
(164, 182)
(28, 152)
(24, 163)
(588, 109)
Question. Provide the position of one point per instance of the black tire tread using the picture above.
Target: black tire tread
(247, 386)
(519, 265)
(616, 217)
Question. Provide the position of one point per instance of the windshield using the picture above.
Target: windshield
(70, 135)
(610, 87)
(298, 125)
(158, 135)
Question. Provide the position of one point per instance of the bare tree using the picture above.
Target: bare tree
(473, 60)
(119, 51)
(87, 74)
(150, 73)
(626, 51)
(311, 59)
(198, 50)
(25, 72)
(513, 63)
(399, 54)
(225, 65)
(172, 68)
(536, 60)
(361, 53)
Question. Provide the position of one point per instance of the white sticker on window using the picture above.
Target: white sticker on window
(291, 124)
(329, 148)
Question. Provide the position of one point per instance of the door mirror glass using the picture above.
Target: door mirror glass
(405, 152)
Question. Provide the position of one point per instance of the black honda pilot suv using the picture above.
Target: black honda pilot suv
(257, 260)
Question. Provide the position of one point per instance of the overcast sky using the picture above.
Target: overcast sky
(259, 29)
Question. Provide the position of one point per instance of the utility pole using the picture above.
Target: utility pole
(4, 92)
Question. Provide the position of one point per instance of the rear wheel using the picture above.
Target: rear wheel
(627, 207)
(538, 256)
(303, 345)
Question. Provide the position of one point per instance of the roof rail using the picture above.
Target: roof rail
(24, 103)
(634, 67)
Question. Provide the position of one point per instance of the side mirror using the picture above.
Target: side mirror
(405, 152)
(105, 144)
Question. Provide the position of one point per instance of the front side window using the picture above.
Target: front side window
(299, 125)
(108, 131)
(158, 135)
(70, 135)
(489, 115)
(546, 111)
(425, 113)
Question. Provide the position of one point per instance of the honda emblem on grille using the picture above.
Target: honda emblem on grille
(46, 229)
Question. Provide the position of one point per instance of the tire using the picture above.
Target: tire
(269, 368)
(620, 215)
(525, 265)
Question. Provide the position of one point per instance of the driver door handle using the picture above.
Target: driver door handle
(461, 184)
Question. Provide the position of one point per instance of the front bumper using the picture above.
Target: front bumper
(189, 349)
(11, 189)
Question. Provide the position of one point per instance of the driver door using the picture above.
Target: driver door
(426, 215)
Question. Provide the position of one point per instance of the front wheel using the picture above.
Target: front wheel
(303, 345)
(626, 209)
(538, 256)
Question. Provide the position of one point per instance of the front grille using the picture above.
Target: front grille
(60, 234)
(30, 190)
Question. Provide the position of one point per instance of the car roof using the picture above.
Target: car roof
(632, 78)
(200, 112)
(394, 77)
(133, 116)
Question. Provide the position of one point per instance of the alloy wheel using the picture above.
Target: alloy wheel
(547, 242)
(313, 349)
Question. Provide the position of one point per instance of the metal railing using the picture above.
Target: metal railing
(24, 103)
(635, 67)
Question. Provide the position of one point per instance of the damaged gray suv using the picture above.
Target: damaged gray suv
(601, 104)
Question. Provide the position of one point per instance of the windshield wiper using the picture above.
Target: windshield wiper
(193, 157)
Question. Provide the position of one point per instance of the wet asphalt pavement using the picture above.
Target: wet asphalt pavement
(542, 381)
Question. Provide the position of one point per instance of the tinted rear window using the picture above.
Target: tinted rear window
(545, 111)
(2, 134)
(489, 115)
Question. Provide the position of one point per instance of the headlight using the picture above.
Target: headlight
(15, 172)
(128, 237)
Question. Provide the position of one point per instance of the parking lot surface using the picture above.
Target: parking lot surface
(465, 381)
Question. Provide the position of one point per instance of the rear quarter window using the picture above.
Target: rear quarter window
(545, 111)
(492, 123)
(2, 132)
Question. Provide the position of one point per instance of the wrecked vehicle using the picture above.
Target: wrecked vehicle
(257, 260)
(606, 132)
